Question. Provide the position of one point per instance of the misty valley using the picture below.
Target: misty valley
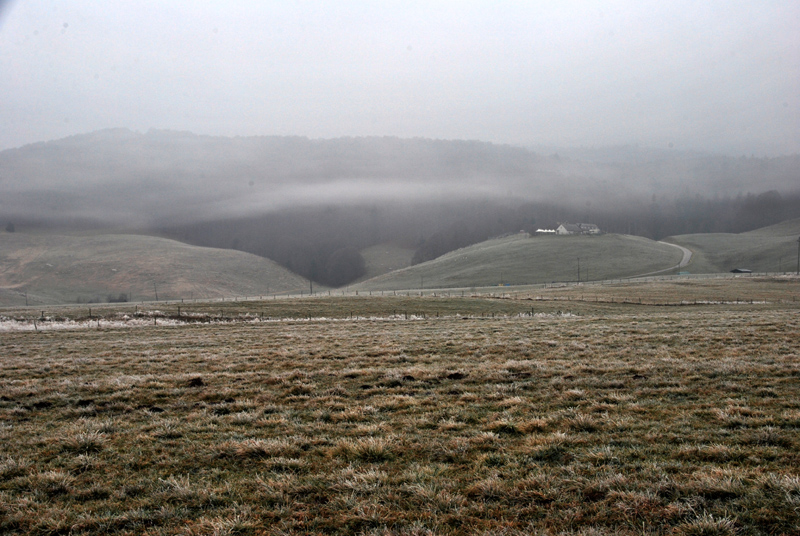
(319, 208)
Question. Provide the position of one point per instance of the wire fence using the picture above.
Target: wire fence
(496, 291)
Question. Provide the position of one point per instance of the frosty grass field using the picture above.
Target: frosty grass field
(629, 409)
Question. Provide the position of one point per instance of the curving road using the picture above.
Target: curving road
(687, 257)
(687, 254)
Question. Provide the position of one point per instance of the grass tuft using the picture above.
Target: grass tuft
(259, 448)
(369, 449)
(53, 483)
(708, 525)
(89, 442)
(13, 467)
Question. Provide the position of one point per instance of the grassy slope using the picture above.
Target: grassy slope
(789, 228)
(522, 260)
(59, 269)
(769, 249)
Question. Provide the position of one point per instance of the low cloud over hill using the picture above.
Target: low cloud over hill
(308, 204)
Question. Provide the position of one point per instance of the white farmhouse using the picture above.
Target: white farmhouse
(577, 228)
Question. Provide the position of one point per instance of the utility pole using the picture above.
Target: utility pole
(155, 289)
(798, 256)
(579, 269)
(311, 287)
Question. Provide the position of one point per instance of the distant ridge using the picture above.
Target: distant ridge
(122, 176)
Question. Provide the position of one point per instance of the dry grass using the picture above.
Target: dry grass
(733, 290)
(614, 420)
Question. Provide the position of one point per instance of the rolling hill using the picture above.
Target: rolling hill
(52, 269)
(43, 268)
(768, 249)
(306, 203)
(521, 259)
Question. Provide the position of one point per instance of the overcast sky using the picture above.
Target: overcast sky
(718, 75)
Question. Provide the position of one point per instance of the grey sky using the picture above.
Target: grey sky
(715, 75)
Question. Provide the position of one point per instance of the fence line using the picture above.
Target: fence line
(488, 291)
(505, 291)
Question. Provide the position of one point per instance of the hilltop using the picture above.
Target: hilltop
(50, 269)
(521, 259)
(768, 249)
